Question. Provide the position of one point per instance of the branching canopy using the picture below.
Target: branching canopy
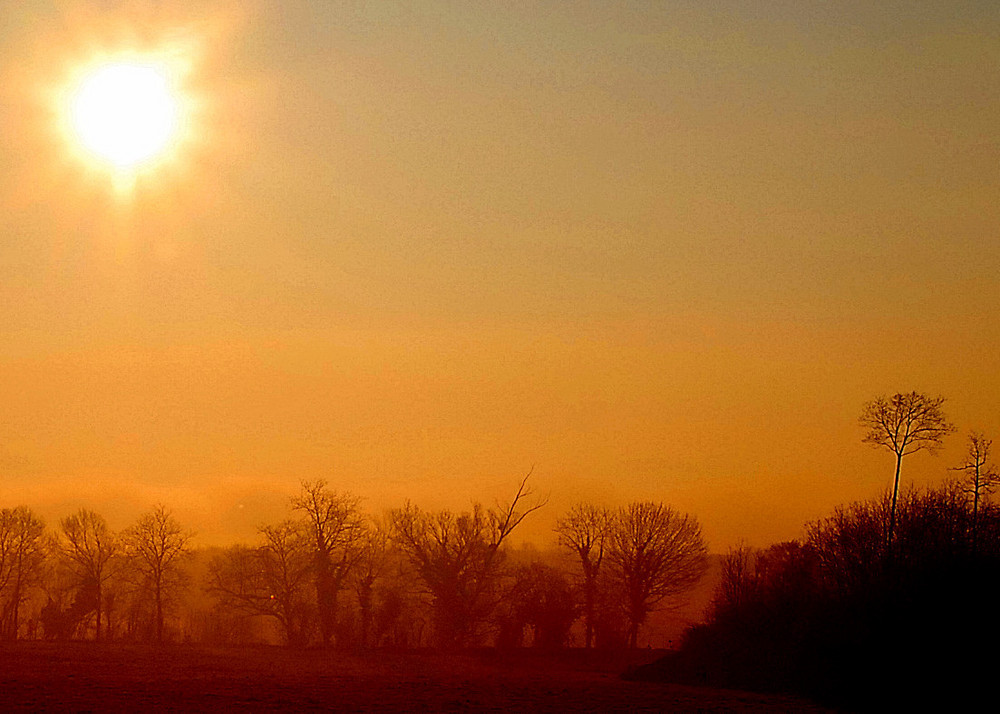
(905, 423)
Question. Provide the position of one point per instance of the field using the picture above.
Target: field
(83, 676)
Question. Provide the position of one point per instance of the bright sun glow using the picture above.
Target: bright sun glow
(125, 113)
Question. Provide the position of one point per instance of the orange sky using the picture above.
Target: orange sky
(653, 250)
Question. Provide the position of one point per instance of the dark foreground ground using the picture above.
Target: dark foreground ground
(82, 676)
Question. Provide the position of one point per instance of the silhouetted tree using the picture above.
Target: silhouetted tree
(655, 553)
(738, 581)
(767, 589)
(584, 531)
(335, 525)
(981, 477)
(904, 424)
(271, 580)
(22, 552)
(155, 547)
(90, 546)
(459, 560)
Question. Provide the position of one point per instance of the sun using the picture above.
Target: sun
(125, 113)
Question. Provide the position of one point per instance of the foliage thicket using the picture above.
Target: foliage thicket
(846, 616)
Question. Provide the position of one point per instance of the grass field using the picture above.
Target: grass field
(83, 676)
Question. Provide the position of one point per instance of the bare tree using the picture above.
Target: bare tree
(904, 424)
(90, 546)
(335, 524)
(655, 553)
(22, 552)
(584, 531)
(155, 547)
(760, 585)
(981, 477)
(850, 545)
(271, 580)
(458, 558)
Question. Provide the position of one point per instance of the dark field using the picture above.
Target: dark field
(83, 676)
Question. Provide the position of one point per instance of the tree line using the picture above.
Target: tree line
(866, 589)
(73, 581)
(333, 575)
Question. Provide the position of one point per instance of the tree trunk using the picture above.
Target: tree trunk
(15, 613)
(9, 625)
(159, 614)
(365, 606)
(97, 629)
(325, 597)
(589, 615)
(895, 494)
(633, 634)
(635, 617)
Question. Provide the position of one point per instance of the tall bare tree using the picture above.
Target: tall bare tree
(156, 546)
(336, 525)
(584, 531)
(272, 579)
(459, 558)
(981, 477)
(90, 547)
(904, 424)
(655, 553)
(22, 552)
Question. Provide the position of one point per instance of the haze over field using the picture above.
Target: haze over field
(656, 251)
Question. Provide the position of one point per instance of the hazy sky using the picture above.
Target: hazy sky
(655, 250)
